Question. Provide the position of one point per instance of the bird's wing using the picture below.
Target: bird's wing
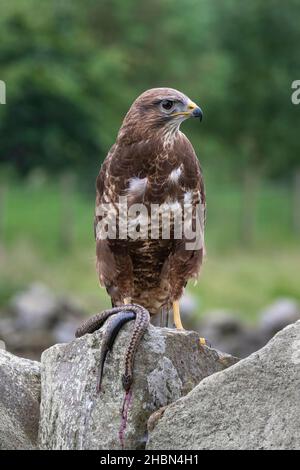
(185, 260)
(114, 266)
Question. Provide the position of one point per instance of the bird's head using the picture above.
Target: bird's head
(159, 109)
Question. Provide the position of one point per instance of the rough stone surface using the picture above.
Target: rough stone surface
(19, 402)
(253, 405)
(168, 365)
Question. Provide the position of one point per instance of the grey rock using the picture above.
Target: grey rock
(220, 326)
(64, 331)
(37, 319)
(29, 344)
(7, 326)
(225, 331)
(276, 316)
(35, 307)
(168, 365)
(255, 404)
(19, 402)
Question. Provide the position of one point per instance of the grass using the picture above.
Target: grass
(37, 246)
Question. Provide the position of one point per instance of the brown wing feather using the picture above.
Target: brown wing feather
(114, 265)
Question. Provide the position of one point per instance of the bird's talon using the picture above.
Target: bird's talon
(204, 342)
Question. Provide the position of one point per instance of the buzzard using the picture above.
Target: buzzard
(151, 164)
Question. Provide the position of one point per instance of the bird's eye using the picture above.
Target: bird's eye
(167, 104)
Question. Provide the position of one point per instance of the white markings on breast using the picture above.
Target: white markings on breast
(188, 197)
(175, 175)
(137, 186)
(174, 206)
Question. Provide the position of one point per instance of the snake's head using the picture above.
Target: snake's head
(127, 382)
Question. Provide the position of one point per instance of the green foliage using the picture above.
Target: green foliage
(261, 42)
(56, 79)
(72, 69)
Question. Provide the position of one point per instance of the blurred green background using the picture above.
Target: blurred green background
(72, 69)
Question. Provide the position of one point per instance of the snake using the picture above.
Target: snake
(121, 315)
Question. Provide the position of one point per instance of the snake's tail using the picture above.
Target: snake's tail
(113, 328)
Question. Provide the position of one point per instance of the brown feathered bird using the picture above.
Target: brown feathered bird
(149, 221)
(151, 163)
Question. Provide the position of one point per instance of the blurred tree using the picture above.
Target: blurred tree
(258, 120)
(48, 130)
(72, 69)
(56, 77)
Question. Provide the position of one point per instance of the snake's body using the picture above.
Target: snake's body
(122, 314)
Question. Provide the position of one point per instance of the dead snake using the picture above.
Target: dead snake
(122, 314)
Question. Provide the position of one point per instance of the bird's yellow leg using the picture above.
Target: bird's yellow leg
(176, 314)
(177, 321)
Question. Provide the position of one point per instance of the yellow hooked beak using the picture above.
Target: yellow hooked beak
(192, 110)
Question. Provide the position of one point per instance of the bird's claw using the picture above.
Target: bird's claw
(204, 342)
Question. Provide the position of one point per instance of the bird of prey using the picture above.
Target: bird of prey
(152, 164)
